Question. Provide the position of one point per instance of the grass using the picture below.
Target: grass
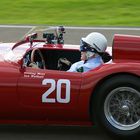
(71, 12)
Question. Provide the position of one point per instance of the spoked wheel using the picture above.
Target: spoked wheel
(116, 106)
(122, 108)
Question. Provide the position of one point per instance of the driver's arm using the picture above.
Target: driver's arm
(33, 65)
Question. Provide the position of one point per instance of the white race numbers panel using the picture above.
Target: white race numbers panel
(58, 86)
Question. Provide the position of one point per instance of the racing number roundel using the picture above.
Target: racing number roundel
(58, 86)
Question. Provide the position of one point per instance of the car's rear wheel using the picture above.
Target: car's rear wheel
(118, 105)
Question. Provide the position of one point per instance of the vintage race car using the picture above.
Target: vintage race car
(36, 88)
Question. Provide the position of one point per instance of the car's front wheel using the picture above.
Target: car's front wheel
(118, 105)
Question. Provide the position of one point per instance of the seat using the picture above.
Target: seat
(106, 57)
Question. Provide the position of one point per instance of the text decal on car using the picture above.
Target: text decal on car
(58, 86)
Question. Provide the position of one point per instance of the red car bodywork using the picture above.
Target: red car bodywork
(22, 88)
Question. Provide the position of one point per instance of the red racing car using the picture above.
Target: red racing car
(36, 88)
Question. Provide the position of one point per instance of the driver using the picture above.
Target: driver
(91, 47)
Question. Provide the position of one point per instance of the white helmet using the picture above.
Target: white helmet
(96, 41)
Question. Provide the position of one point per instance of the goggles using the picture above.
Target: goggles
(86, 47)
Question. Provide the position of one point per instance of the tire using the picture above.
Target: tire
(117, 105)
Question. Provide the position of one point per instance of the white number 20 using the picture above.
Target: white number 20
(58, 86)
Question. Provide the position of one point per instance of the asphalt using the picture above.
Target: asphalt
(72, 35)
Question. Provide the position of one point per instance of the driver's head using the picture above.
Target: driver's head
(93, 44)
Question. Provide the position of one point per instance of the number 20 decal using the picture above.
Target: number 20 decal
(58, 87)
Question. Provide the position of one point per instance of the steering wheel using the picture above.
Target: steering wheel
(39, 64)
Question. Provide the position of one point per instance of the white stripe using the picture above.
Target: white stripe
(67, 27)
(16, 26)
(101, 28)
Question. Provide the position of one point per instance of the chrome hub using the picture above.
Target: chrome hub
(125, 110)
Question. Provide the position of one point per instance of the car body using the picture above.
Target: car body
(108, 95)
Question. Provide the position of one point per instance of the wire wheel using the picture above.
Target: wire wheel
(122, 108)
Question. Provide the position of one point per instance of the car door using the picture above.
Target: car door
(47, 93)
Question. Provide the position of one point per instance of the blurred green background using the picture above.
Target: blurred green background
(71, 12)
